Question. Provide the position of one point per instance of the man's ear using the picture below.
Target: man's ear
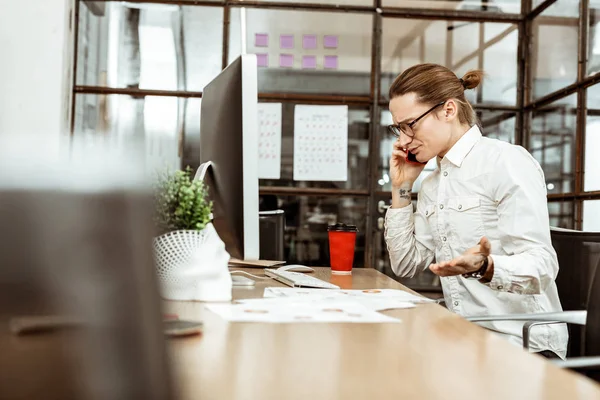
(450, 110)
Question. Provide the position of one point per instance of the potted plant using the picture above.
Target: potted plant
(191, 259)
(181, 203)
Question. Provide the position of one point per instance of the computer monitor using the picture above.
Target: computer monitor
(229, 155)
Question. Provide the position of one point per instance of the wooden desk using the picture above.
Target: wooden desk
(432, 354)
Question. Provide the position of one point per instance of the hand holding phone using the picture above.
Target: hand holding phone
(404, 167)
(411, 158)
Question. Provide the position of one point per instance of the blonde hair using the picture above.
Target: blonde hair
(433, 83)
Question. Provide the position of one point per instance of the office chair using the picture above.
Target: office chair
(578, 257)
(590, 319)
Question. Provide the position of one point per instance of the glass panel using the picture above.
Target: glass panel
(562, 214)
(150, 46)
(456, 45)
(307, 218)
(156, 120)
(504, 6)
(592, 141)
(594, 39)
(562, 8)
(554, 47)
(307, 52)
(498, 124)
(553, 143)
(358, 152)
(591, 215)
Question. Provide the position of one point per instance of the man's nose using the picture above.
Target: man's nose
(404, 139)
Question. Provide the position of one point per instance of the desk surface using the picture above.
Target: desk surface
(432, 354)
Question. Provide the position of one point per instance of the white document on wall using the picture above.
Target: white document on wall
(320, 143)
(269, 140)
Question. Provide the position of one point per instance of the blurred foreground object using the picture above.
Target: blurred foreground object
(76, 235)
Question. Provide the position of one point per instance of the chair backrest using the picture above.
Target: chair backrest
(578, 256)
(592, 326)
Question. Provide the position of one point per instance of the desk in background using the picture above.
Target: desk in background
(432, 354)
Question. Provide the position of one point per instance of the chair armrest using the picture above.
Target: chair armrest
(571, 317)
(527, 330)
(578, 363)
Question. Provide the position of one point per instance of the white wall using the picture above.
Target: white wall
(35, 69)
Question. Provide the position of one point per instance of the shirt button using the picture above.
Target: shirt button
(445, 173)
(456, 303)
(500, 287)
(444, 238)
(460, 206)
(441, 206)
(426, 212)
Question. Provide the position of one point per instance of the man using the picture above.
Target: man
(481, 222)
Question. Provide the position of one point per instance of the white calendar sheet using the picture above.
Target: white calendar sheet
(320, 143)
(269, 140)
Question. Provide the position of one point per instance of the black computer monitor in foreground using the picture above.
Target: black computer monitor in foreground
(229, 155)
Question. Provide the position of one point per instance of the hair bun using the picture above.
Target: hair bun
(471, 79)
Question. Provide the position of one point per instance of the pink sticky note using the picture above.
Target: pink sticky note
(309, 41)
(331, 62)
(261, 40)
(286, 60)
(330, 41)
(286, 41)
(262, 60)
(309, 62)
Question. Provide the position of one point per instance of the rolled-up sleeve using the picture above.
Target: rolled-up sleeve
(409, 241)
(529, 264)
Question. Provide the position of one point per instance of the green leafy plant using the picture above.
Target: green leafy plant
(181, 202)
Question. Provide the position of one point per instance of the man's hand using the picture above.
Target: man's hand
(470, 261)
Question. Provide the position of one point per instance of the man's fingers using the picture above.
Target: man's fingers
(486, 246)
(397, 145)
(446, 269)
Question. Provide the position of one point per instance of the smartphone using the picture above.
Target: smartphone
(178, 327)
(413, 159)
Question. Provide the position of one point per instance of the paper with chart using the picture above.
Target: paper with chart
(288, 310)
(374, 299)
(269, 140)
(322, 296)
(320, 143)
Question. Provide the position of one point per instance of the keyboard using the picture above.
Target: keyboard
(298, 279)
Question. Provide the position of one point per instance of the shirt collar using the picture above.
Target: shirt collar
(459, 151)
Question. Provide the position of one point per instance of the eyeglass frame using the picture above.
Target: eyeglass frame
(392, 127)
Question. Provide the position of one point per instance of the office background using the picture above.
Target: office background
(140, 66)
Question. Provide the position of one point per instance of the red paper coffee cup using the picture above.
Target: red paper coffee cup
(342, 239)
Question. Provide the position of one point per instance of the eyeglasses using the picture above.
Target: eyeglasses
(407, 129)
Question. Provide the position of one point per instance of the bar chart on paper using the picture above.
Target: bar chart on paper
(320, 143)
(269, 140)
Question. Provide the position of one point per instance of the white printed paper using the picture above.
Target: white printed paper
(392, 295)
(320, 143)
(298, 311)
(320, 296)
(269, 140)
